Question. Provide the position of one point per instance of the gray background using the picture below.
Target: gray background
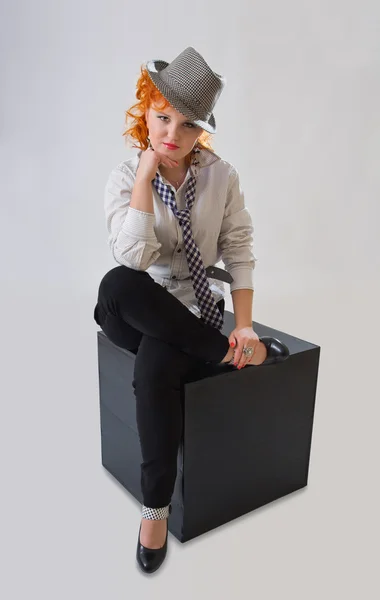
(299, 118)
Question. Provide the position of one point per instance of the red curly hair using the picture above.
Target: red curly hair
(148, 95)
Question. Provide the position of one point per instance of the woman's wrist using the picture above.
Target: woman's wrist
(142, 180)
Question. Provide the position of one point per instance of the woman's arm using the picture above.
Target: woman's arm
(242, 301)
(236, 245)
(132, 237)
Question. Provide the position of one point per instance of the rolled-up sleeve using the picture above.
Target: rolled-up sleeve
(235, 240)
(131, 235)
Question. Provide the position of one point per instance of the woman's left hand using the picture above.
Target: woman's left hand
(243, 337)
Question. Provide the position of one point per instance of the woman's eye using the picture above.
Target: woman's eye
(190, 125)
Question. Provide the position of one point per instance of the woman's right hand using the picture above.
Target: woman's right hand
(150, 160)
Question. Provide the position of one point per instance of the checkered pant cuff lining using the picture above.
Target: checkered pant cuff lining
(155, 513)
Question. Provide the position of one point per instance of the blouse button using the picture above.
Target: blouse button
(174, 277)
(179, 250)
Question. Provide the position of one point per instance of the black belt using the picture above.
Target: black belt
(217, 273)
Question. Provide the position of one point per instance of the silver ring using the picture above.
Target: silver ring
(248, 352)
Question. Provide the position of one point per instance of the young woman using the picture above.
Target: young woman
(173, 211)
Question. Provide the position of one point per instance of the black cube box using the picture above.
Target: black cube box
(246, 437)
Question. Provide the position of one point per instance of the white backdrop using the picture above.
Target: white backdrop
(299, 118)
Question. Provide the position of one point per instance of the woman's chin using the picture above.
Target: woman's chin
(177, 155)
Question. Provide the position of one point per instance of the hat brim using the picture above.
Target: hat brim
(153, 68)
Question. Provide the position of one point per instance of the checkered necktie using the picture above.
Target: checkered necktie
(207, 305)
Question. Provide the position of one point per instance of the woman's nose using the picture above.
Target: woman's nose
(173, 132)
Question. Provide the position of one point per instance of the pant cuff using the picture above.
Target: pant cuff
(156, 513)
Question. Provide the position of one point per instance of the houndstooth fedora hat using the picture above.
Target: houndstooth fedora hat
(189, 85)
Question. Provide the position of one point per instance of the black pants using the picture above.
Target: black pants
(140, 315)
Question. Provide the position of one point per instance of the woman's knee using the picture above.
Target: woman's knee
(118, 280)
(114, 278)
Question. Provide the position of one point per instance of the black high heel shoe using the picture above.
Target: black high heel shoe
(276, 351)
(149, 559)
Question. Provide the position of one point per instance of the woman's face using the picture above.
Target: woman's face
(169, 126)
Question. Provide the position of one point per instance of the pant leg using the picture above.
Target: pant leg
(146, 307)
(159, 372)
(119, 332)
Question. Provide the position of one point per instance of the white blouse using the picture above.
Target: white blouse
(220, 222)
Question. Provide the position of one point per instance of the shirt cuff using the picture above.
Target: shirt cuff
(243, 278)
(139, 224)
